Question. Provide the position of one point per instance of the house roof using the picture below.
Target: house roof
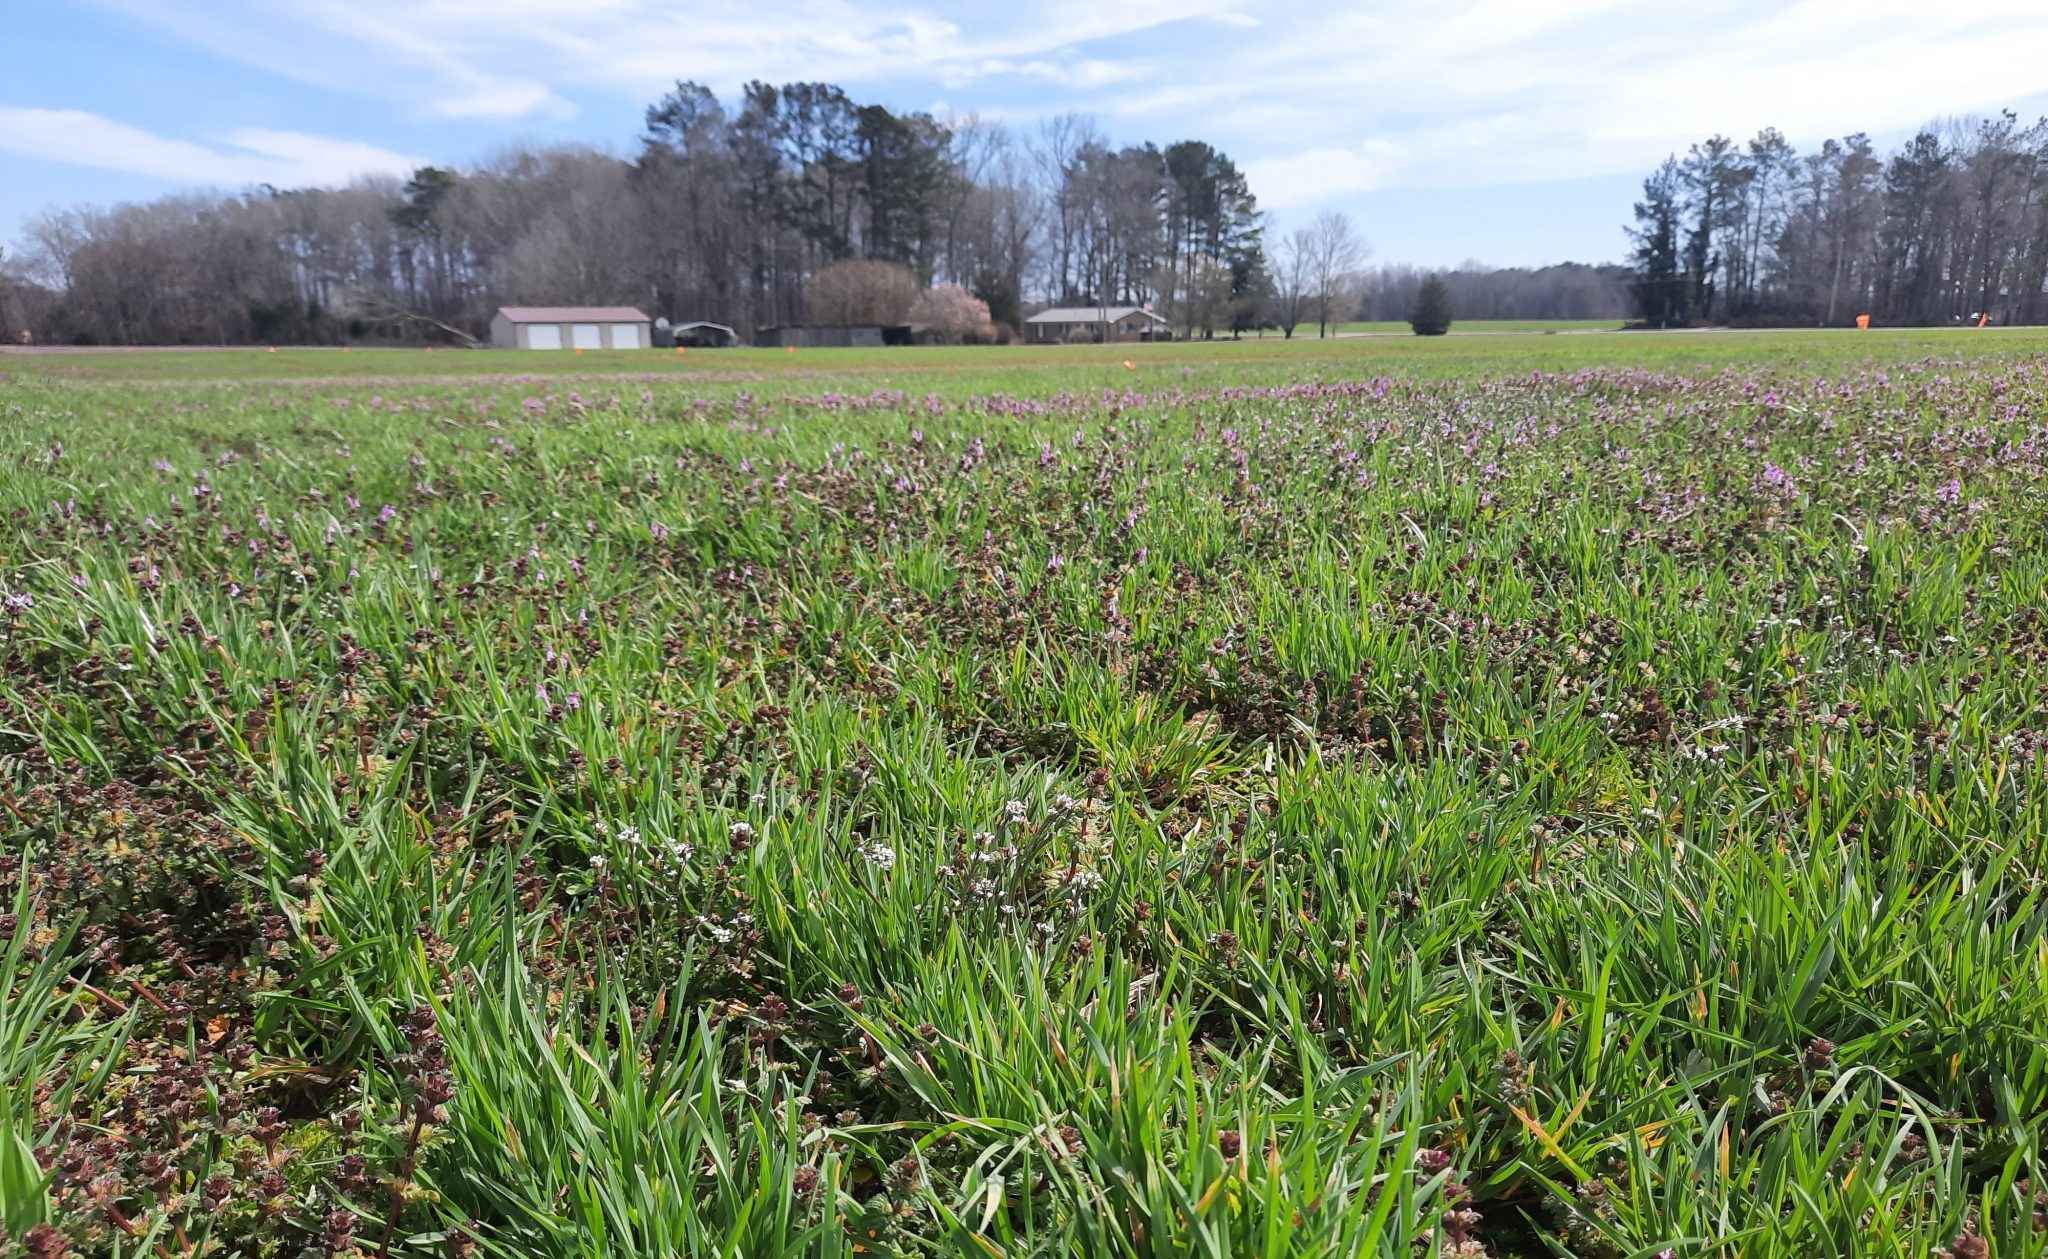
(572, 314)
(1091, 314)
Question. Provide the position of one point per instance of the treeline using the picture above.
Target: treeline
(1950, 228)
(723, 213)
(1569, 290)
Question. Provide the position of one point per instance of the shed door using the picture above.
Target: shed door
(586, 336)
(626, 336)
(544, 336)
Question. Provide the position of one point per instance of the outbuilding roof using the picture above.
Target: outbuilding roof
(572, 314)
(1091, 314)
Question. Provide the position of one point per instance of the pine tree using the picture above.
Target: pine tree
(1660, 288)
(1432, 314)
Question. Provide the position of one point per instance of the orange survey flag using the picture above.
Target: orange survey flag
(1863, 322)
(1984, 320)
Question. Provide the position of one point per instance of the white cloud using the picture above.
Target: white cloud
(1316, 176)
(1319, 99)
(246, 155)
(510, 98)
(1501, 91)
(389, 49)
(512, 58)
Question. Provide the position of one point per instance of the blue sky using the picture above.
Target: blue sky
(1511, 131)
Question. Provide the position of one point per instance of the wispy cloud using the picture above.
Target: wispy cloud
(378, 50)
(243, 156)
(1320, 99)
(1497, 91)
(511, 58)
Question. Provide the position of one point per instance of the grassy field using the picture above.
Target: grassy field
(1253, 360)
(1466, 327)
(1514, 795)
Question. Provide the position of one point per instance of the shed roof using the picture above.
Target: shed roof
(572, 314)
(705, 323)
(1091, 314)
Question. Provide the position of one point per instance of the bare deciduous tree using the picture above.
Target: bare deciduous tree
(860, 291)
(1335, 253)
(1293, 280)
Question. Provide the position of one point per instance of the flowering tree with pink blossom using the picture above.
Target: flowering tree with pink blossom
(953, 314)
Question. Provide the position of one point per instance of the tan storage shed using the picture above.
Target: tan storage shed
(570, 328)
